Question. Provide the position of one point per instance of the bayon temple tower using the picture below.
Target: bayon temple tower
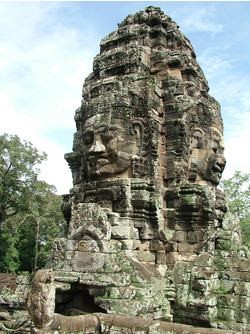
(149, 234)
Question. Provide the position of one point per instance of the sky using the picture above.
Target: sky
(47, 50)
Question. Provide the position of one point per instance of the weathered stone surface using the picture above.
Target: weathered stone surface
(149, 233)
(14, 316)
(41, 298)
(113, 324)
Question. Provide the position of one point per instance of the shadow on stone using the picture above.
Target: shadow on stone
(77, 300)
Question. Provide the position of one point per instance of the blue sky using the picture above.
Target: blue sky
(47, 50)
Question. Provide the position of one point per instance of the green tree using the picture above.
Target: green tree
(9, 256)
(18, 175)
(237, 189)
(30, 214)
(39, 228)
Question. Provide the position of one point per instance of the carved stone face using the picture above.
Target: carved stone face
(216, 160)
(109, 148)
(208, 157)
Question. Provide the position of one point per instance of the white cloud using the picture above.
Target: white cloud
(43, 65)
(199, 19)
(237, 150)
(55, 170)
(230, 85)
(211, 64)
(42, 68)
(245, 100)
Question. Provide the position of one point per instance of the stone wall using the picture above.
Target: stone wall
(14, 316)
(41, 303)
(149, 234)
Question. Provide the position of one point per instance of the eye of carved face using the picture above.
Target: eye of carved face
(107, 136)
(88, 138)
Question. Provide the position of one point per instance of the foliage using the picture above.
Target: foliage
(237, 189)
(9, 257)
(18, 175)
(39, 228)
(30, 211)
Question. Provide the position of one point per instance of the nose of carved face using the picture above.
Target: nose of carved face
(97, 154)
(220, 164)
(97, 146)
(215, 168)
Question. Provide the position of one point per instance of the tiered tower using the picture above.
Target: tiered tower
(149, 232)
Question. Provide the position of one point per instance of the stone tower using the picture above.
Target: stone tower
(149, 233)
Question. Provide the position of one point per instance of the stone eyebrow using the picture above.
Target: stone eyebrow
(111, 127)
(87, 131)
(217, 136)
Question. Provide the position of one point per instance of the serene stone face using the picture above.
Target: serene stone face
(149, 234)
(216, 159)
(108, 147)
(209, 157)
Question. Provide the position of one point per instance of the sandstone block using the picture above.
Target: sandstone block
(148, 155)
(171, 257)
(86, 261)
(161, 257)
(145, 256)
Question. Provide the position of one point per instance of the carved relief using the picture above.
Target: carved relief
(109, 146)
(207, 157)
(41, 299)
(147, 157)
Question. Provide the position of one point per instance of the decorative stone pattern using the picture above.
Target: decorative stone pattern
(41, 299)
(149, 233)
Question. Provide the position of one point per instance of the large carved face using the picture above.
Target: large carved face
(109, 148)
(208, 157)
(216, 159)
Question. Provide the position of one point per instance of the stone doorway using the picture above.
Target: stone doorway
(78, 300)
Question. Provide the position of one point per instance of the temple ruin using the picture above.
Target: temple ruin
(150, 236)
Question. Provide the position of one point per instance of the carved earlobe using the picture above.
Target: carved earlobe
(136, 129)
(198, 134)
